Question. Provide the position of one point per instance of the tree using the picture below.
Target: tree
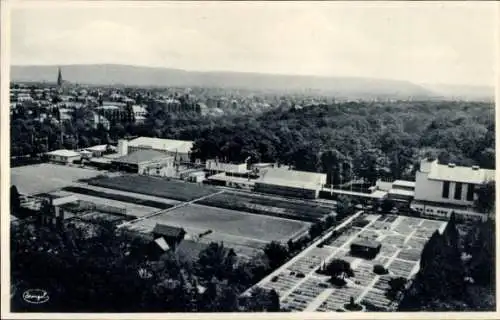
(482, 263)
(485, 201)
(315, 230)
(387, 205)
(396, 286)
(262, 300)
(338, 268)
(276, 253)
(212, 260)
(15, 201)
(344, 207)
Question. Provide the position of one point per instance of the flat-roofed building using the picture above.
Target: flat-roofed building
(215, 167)
(365, 248)
(441, 189)
(179, 149)
(147, 162)
(291, 183)
(63, 156)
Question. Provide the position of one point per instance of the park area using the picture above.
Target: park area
(154, 186)
(245, 232)
(303, 288)
(286, 208)
(47, 177)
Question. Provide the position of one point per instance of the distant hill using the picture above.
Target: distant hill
(462, 91)
(109, 74)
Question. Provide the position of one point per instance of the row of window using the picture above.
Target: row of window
(458, 191)
(428, 210)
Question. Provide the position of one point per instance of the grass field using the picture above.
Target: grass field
(244, 232)
(236, 223)
(117, 197)
(304, 211)
(46, 177)
(133, 210)
(154, 186)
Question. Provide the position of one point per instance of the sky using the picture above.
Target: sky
(422, 42)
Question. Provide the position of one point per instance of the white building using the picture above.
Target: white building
(441, 189)
(290, 182)
(146, 162)
(63, 156)
(215, 166)
(179, 149)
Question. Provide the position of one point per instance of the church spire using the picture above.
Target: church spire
(59, 77)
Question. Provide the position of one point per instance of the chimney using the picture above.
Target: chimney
(475, 167)
(426, 165)
(451, 165)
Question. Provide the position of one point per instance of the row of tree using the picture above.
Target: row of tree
(365, 139)
(89, 268)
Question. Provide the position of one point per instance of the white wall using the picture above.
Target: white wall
(431, 190)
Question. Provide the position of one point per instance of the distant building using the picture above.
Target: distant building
(442, 189)
(179, 149)
(171, 235)
(147, 162)
(214, 166)
(63, 156)
(59, 78)
(291, 183)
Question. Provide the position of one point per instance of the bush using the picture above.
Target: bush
(274, 279)
(300, 275)
(339, 282)
(379, 269)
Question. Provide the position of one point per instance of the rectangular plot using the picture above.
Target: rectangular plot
(416, 243)
(424, 233)
(369, 234)
(388, 250)
(378, 299)
(339, 298)
(409, 254)
(394, 240)
(363, 274)
(382, 283)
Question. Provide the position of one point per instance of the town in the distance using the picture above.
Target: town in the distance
(201, 199)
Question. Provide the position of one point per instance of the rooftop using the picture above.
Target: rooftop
(63, 153)
(404, 183)
(163, 144)
(366, 243)
(460, 174)
(292, 178)
(401, 192)
(168, 231)
(141, 156)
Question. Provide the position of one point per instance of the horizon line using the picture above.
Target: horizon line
(490, 86)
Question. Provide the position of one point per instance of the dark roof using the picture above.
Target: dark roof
(190, 249)
(140, 156)
(366, 243)
(168, 231)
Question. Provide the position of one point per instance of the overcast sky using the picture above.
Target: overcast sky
(422, 42)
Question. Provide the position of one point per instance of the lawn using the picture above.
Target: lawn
(46, 177)
(154, 186)
(118, 197)
(245, 226)
(304, 211)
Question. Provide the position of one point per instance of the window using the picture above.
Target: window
(446, 189)
(470, 192)
(458, 191)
